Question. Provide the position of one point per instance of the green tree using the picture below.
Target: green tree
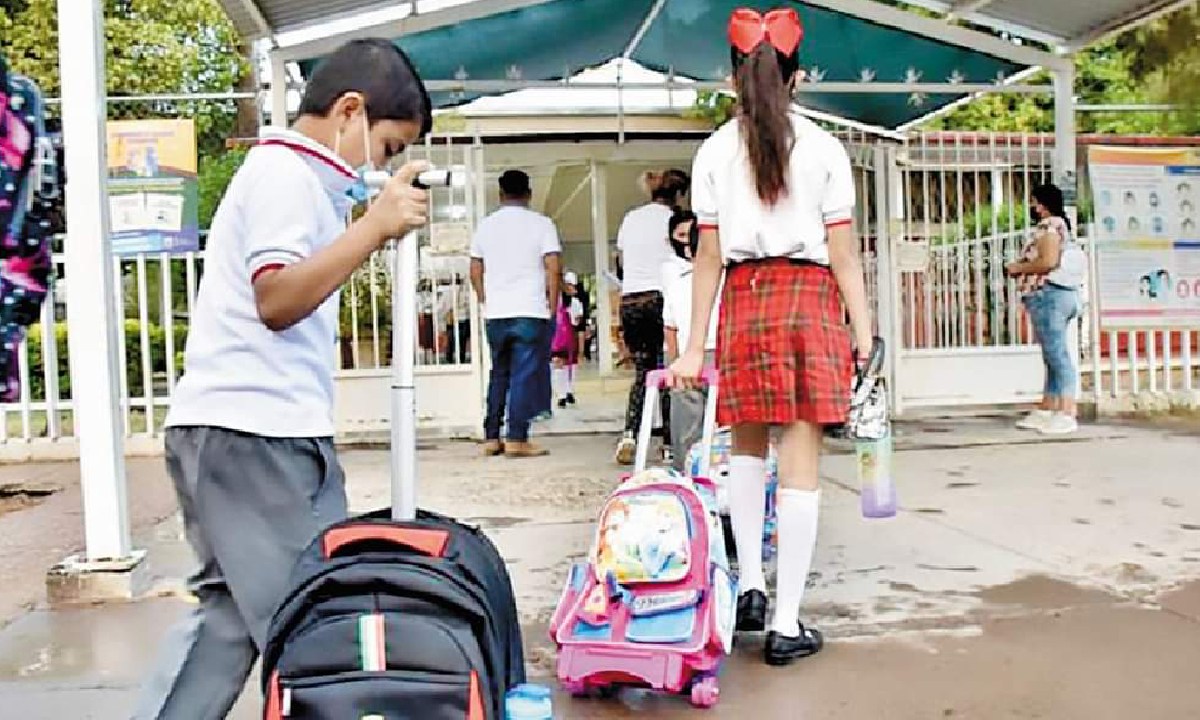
(154, 47)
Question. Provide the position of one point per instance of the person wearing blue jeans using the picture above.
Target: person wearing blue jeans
(1051, 269)
(515, 270)
(516, 345)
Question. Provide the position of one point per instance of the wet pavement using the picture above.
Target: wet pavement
(1043, 580)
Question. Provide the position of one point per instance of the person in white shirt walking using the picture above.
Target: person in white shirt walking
(249, 440)
(774, 195)
(515, 270)
(643, 246)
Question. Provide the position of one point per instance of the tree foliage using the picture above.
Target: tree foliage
(153, 47)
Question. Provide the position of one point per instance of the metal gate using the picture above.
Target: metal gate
(449, 369)
(955, 209)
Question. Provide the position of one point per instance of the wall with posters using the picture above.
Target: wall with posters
(152, 190)
(1147, 236)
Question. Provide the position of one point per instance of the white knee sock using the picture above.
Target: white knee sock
(570, 369)
(798, 511)
(558, 378)
(747, 505)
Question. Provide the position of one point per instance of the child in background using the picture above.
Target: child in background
(687, 406)
(564, 350)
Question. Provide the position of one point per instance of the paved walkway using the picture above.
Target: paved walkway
(1023, 578)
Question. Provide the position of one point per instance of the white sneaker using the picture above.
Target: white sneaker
(1035, 420)
(1060, 425)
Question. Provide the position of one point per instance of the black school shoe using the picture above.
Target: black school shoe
(784, 650)
(752, 612)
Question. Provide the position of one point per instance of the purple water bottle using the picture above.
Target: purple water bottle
(870, 427)
(875, 477)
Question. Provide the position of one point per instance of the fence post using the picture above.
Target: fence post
(90, 311)
(887, 280)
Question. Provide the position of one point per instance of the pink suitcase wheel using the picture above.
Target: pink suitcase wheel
(706, 693)
(576, 688)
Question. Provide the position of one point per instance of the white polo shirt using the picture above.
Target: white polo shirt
(644, 247)
(820, 195)
(677, 278)
(287, 201)
(513, 243)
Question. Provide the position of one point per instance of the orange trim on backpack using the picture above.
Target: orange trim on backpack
(475, 709)
(430, 542)
(274, 711)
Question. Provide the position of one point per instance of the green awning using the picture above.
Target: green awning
(557, 39)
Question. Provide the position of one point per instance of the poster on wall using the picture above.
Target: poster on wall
(1147, 238)
(153, 196)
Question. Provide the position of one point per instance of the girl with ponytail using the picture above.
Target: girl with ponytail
(774, 197)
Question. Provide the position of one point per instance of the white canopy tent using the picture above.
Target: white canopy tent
(301, 29)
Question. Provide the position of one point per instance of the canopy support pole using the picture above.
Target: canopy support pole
(603, 291)
(106, 568)
(279, 90)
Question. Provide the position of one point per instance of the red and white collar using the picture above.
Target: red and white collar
(335, 174)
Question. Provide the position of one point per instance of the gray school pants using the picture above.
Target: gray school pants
(687, 419)
(250, 506)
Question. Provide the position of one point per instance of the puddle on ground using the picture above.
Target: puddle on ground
(19, 496)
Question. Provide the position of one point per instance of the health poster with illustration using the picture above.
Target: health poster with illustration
(153, 195)
(1147, 203)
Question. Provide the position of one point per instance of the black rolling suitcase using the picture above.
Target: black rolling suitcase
(399, 615)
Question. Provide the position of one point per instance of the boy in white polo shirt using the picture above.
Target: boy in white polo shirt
(250, 433)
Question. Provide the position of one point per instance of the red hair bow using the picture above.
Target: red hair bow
(748, 29)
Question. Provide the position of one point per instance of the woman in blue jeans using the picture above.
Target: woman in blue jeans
(1051, 270)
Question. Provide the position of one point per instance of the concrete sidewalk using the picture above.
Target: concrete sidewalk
(1023, 578)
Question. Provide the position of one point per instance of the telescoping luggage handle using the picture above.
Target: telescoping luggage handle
(658, 380)
(404, 355)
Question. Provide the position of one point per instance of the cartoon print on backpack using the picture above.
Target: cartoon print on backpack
(28, 189)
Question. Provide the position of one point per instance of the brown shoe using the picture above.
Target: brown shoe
(515, 449)
(493, 448)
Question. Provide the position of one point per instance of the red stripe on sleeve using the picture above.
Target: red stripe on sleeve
(272, 267)
(838, 223)
(708, 226)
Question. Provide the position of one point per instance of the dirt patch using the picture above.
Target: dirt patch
(19, 496)
(1043, 593)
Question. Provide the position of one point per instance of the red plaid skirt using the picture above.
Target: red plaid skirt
(784, 347)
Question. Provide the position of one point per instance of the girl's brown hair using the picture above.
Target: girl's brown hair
(668, 186)
(762, 78)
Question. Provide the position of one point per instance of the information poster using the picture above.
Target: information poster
(153, 195)
(1147, 238)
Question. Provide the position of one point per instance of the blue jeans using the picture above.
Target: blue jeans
(1052, 309)
(516, 345)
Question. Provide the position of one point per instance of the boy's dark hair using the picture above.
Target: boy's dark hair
(515, 184)
(379, 70)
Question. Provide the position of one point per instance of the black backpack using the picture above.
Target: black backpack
(395, 621)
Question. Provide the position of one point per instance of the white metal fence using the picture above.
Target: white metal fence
(960, 196)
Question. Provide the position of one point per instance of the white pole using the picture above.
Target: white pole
(279, 90)
(1065, 164)
(599, 174)
(404, 397)
(89, 269)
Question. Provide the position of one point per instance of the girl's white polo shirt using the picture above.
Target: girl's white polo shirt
(820, 195)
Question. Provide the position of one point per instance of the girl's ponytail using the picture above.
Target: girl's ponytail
(766, 57)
